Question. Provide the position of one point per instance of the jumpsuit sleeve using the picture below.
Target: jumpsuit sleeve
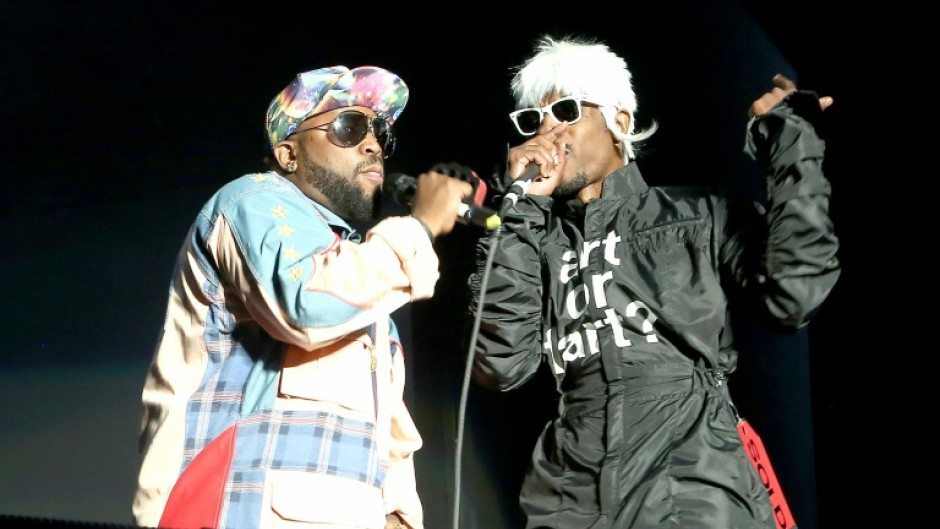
(509, 350)
(794, 266)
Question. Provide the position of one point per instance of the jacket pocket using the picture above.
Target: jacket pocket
(303, 498)
(339, 374)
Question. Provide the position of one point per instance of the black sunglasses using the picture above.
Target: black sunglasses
(350, 128)
(528, 120)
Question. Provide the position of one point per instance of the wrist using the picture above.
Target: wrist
(426, 228)
(394, 521)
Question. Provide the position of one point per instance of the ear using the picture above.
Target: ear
(623, 120)
(285, 153)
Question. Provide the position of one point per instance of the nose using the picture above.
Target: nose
(370, 145)
(545, 125)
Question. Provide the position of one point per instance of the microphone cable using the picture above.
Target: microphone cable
(518, 188)
(467, 375)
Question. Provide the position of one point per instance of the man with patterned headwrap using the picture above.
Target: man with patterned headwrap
(275, 395)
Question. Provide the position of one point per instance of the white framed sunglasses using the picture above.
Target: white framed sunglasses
(528, 120)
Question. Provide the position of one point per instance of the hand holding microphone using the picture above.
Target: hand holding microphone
(434, 198)
(535, 167)
(407, 190)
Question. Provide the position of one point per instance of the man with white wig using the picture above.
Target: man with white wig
(625, 292)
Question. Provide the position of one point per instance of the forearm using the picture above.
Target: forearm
(311, 296)
(508, 350)
(799, 265)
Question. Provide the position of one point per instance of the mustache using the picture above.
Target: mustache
(371, 161)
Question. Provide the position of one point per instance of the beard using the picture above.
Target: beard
(350, 202)
(571, 187)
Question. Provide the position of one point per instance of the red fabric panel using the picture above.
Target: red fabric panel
(196, 499)
(761, 461)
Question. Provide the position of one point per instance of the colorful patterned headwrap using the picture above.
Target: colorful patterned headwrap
(319, 91)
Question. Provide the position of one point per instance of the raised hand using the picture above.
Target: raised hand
(783, 86)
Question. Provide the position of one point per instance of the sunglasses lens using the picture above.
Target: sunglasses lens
(566, 110)
(383, 134)
(528, 121)
(388, 143)
(350, 128)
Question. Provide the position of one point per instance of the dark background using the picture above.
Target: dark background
(121, 118)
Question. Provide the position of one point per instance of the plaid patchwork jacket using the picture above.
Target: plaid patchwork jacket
(275, 395)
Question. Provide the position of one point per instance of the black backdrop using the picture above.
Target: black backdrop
(121, 118)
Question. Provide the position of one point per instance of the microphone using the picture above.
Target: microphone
(520, 185)
(471, 210)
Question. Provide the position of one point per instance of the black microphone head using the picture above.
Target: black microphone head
(403, 188)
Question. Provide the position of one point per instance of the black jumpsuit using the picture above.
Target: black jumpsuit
(626, 299)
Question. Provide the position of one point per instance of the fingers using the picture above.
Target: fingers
(545, 157)
(762, 105)
(783, 86)
(544, 146)
(784, 83)
(437, 201)
(545, 150)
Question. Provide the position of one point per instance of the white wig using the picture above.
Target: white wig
(584, 68)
